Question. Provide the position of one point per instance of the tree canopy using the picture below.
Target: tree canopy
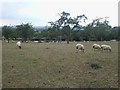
(66, 28)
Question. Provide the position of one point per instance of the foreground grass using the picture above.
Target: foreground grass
(54, 65)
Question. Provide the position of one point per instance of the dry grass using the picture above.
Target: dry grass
(55, 65)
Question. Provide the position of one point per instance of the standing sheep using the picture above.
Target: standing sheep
(106, 47)
(19, 44)
(96, 46)
(80, 47)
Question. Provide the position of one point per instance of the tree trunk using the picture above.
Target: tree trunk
(89, 39)
(67, 40)
(8, 40)
(60, 39)
(101, 39)
(15, 39)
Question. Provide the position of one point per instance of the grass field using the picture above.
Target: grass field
(55, 65)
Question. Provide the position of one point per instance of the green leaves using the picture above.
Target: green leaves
(25, 31)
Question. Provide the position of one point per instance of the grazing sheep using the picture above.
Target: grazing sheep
(96, 46)
(36, 41)
(88, 41)
(80, 47)
(19, 44)
(106, 47)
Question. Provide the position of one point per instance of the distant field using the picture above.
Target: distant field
(55, 65)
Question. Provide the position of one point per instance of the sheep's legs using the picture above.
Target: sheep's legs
(19, 47)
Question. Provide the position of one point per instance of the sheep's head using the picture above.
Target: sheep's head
(76, 47)
(110, 49)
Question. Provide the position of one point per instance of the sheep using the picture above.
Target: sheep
(96, 46)
(106, 47)
(88, 41)
(19, 44)
(80, 47)
(36, 41)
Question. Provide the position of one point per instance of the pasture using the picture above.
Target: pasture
(55, 65)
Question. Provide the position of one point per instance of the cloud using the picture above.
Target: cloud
(43, 11)
(11, 10)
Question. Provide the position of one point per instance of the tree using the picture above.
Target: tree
(7, 32)
(100, 29)
(119, 33)
(14, 34)
(25, 31)
(115, 33)
(67, 24)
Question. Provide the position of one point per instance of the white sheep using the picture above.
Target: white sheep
(106, 47)
(80, 47)
(36, 41)
(18, 44)
(96, 46)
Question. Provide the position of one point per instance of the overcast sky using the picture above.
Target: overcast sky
(40, 12)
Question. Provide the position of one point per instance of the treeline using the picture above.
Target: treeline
(65, 28)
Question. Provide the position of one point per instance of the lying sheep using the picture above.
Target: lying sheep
(80, 47)
(106, 47)
(19, 44)
(96, 46)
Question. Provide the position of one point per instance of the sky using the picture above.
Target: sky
(40, 12)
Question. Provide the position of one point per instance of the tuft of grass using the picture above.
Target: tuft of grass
(47, 48)
(96, 66)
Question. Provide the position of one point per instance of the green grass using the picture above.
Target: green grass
(55, 65)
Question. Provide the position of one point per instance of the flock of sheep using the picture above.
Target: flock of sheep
(80, 47)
